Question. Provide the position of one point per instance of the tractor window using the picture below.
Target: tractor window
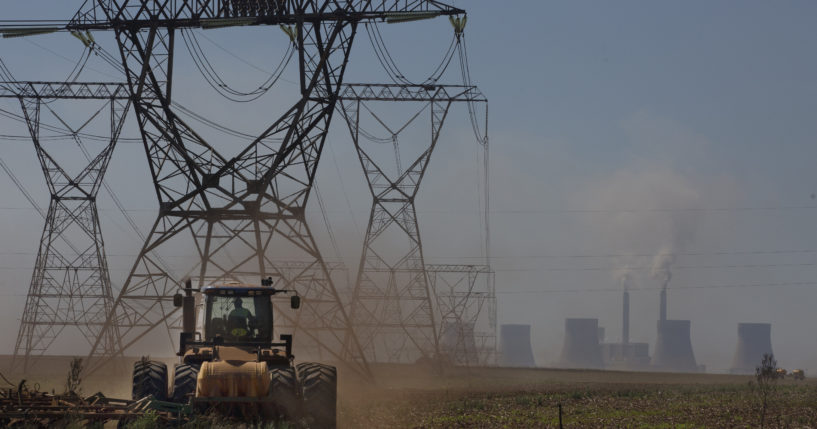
(239, 319)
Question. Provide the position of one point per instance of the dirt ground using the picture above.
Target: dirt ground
(405, 396)
(510, 398)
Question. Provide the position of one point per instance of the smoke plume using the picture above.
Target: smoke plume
(626, 277)
(662, 267)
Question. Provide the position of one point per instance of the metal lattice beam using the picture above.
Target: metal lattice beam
(64, 90)
(421, 93)
(178, 14)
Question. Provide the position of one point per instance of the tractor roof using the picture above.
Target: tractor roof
(238, 290)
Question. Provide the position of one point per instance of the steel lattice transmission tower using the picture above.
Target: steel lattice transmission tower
(246, 211)
(393, 307)
(466, 302)
(70, 286)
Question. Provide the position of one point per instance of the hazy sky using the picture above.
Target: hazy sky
(618, 130)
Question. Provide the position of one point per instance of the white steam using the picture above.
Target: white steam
(662, 267)
(626, 277)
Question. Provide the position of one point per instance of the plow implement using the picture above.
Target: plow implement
(26, 408)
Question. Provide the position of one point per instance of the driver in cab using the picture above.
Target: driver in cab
(240, 319)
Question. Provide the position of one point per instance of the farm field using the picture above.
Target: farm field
(509, 398)
(413, 397)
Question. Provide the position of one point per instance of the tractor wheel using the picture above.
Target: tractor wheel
(149, 378)
(284, 392)
(185, 378)
(319, 385)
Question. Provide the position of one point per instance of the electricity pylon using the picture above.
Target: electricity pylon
(466, 302)
(70, 286)
(393, 307)
(246, 211)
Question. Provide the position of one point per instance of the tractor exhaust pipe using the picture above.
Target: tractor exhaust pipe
(189, 308)
(188, 304)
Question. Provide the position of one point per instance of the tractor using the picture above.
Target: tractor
(234, 367)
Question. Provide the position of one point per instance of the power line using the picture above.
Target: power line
(656, 210)
(58, 55)
(215, 81)
(681, 267)
(358, 233)
(619, 289)
(616, 211)
(61, 132)
(642, 255)
(243, 60)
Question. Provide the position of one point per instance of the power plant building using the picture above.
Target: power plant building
(515, 346)
(625, 355)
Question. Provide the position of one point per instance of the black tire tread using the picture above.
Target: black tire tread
(185, 379)
(149, 378)
(284, 391)
(319, 387)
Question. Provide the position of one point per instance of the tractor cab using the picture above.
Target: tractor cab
(238, 314)
(235, 315)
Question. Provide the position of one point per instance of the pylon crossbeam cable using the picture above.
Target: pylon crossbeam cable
(212, 77)
(386, 60)
(79, 66)
(62, 135)
(465, 70)
(388, 66)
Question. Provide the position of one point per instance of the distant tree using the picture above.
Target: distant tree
(74, 379)
(765, 385)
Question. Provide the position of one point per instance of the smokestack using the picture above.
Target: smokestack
(661, 267)
(662, 311)
(625, 318)
(515, 346)
(673, 350)
(581, 347)
(754, 340)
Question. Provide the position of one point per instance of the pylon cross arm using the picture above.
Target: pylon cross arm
(40, 90)
(97, 15)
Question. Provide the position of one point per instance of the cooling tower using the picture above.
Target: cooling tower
(754, 340)
(581, 347)
(673, 350)
(515, 346)
(458, 342)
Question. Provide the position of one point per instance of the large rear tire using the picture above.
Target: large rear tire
(149, 379)
(284, 392)
(185, 378)
(319, 386)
